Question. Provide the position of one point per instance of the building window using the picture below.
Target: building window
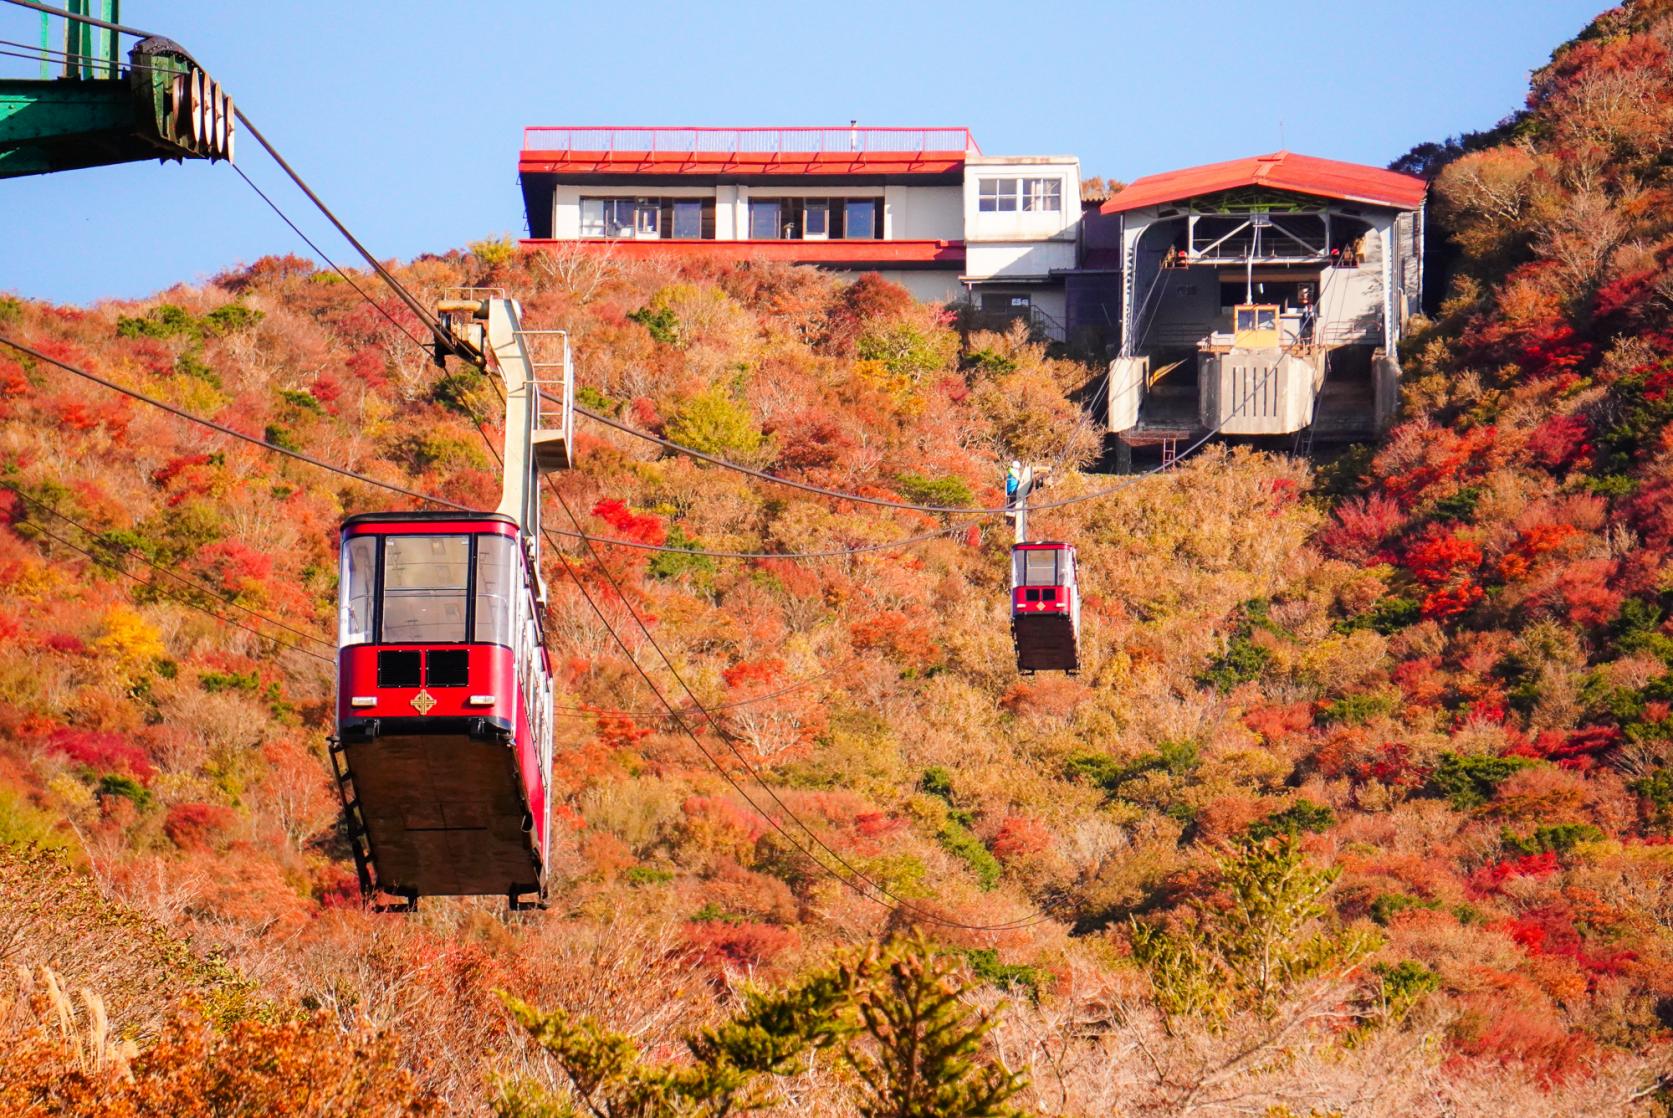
(859, 219)
(424, 585)
(620, 217)
(764, 223)
(1042, 195)
(816, 220)
(688, 219)
(1012, 195)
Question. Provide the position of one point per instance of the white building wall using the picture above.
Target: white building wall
(923, 213)
(1017, 258)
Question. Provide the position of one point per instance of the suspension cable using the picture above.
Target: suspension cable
(177, 599)
(191, 584)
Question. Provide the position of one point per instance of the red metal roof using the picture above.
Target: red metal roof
(744, 151)
(1281, 170)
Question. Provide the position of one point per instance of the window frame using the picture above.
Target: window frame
(690, 204)
(871, 234)
(518, 589)
(821, 206)
(760, 205)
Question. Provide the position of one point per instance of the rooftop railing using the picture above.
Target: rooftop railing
(641, 139)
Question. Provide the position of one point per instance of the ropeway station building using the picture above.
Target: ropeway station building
(1262, 296)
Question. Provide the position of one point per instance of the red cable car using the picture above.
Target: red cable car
(443, 750)
(1045, 607)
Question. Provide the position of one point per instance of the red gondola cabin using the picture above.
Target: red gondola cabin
(1045, 607)
(444, 706)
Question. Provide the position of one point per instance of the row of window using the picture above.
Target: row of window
(430, 589)
(770, 219)
(1019, 195)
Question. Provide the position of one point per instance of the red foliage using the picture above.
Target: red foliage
(1585, 590)
(1581, 750)
(1489, 878)
(869, 299)
(1274, 723)
(63, 642)
(171, 469)
(1360, 526)
(370, 367)
(716, 945)
(629, 524)
(810, 439)
(1450, 601)
(1562, 442)
(1438, 558)
(1019, 836)
(898, 635)
(645, 414)
(102, 752)
(1420, 456)
(195, 826)
(745, 672)
(1391, 764)
(236, 567)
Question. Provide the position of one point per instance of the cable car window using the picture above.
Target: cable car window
(398, 667)
(356, 593)
(496, 589)
(447, 668)
(1039, 568)
(424, 581)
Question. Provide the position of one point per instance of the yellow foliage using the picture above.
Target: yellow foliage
(129, 639)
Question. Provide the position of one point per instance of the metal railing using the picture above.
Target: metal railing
(554, 392)
(819, 140)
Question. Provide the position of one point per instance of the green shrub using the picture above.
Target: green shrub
(947, 492)
(189, 364)
(1175, 758)
(165, 320)
(957, 840)
(988, 363)
(1557, 839)
(588, 396)
(301, 400)
(647, 875)
(229, 319)
(278, 435)
(1389, 905)
(1460, 505)
(11, 310)
(678, 564)
(663, 325)
(1469, 780)
(1356, 710)
(216, 682)
(714, 423)
(1657, 791)
(1242, 661)
(1303, 815)
(1402, 985)
(115, 784)
(984, 964)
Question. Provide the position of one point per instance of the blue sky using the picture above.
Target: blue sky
(406, 116)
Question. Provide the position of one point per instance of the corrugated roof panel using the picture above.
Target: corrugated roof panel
(1280, 170)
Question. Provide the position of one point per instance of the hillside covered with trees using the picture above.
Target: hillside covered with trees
(1362, 803)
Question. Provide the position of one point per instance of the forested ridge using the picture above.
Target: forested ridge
(1362, 803)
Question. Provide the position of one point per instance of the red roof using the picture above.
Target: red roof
(1281, 170)
(640, 150)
